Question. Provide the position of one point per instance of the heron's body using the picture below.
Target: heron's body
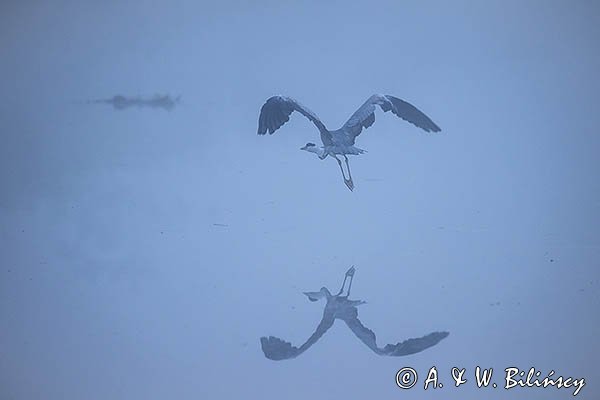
(342, 308)
(277, 110)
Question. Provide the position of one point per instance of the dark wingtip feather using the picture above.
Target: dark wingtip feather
(272, 116)
(435, 128)
(441, 335)
(415, 345)
(276, 349)
(262, 126)
(276, 112)
(412, 114)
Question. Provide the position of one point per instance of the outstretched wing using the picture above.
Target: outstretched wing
(407, 347)
(276, 112)
(364, 117)
(278, 349)
(366, 335)
(416, 345)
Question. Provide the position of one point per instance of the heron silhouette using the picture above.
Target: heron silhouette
(340, 307)
(277, 110)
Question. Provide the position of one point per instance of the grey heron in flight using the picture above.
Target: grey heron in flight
(340, 307)
(277, 110)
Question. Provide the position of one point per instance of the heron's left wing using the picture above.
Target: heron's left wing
(364, 117)
(277, 349)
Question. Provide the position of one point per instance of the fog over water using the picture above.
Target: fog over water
(144, 252)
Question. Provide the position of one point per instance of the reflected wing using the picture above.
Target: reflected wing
(407, 347)
(364, 117)
(412, 346)
(276, 112)
(366, 335)
(278, 349)
(324, 325)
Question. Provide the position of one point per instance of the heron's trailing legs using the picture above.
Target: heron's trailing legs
(348, 182)
(349, 174)
(349, 273)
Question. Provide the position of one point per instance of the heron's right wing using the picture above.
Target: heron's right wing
(414, 345)
(409, 346)
(277, 110)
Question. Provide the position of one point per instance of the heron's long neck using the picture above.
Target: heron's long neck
(317, 150)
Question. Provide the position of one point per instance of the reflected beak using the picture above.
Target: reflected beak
(314, 296)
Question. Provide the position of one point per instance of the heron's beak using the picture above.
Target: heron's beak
(303, 148)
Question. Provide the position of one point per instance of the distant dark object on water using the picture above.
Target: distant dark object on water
(122, 102)
(340, 307)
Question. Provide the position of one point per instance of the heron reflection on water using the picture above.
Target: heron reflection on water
(340, 307)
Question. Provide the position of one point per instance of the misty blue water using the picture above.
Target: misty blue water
(143, 253)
